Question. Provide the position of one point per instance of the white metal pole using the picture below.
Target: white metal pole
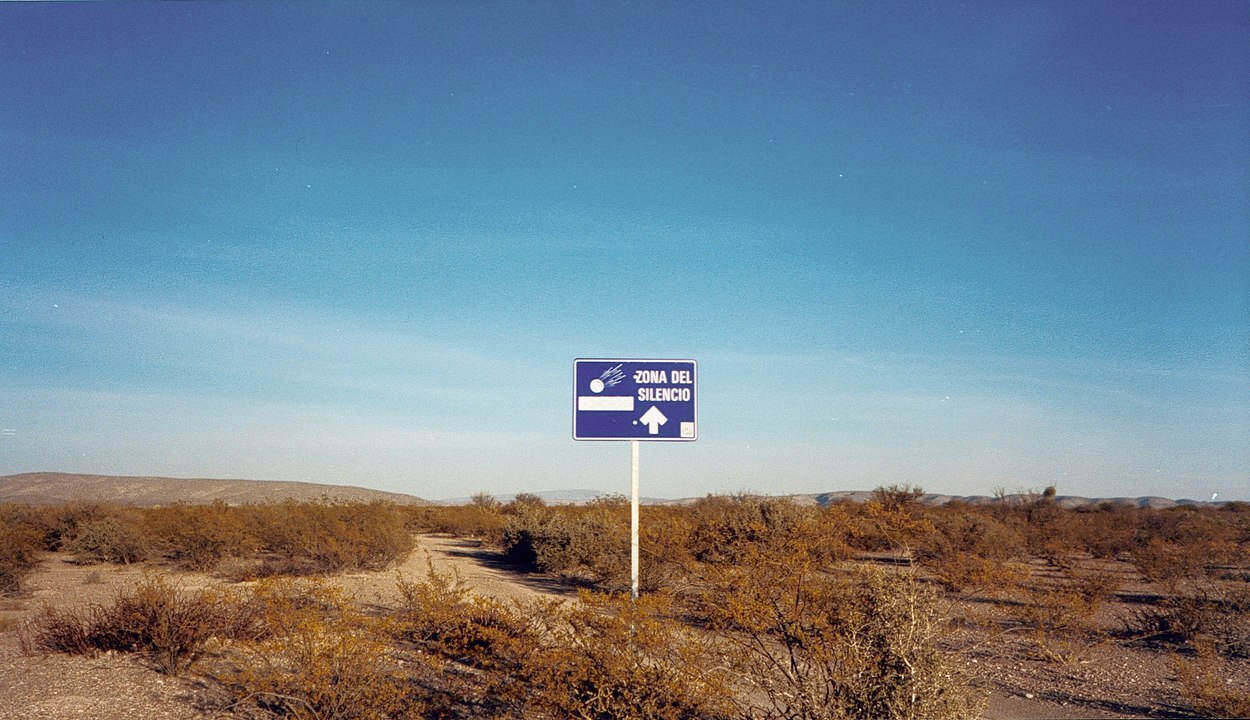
(633, 520)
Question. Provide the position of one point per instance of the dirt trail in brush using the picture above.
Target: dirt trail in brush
(480, 569)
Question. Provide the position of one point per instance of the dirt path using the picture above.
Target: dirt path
(62, 687)
(118, 686)
(480, 570)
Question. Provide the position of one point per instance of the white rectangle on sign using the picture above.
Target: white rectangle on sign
(606, 402)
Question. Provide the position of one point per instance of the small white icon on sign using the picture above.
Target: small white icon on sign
(687, 429)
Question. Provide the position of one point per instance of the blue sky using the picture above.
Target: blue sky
(965, 246)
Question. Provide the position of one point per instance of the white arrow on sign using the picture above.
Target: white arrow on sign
(653, 419)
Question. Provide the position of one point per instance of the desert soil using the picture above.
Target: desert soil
(1106, 681)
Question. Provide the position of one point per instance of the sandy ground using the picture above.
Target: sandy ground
(1105, 682)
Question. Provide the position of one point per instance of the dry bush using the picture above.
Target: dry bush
(442, 615)
(167, 623)
(64, 521)
(726, 528)
(316, 538)
(1106, 531)
(1060, 617)
(19, 548)
(968, 550)
(1206, 615)
(892, 520)
(607, 657)
(114, 538)
(814, 646)
(665, 548)
(587, 544)
(471, 650)
(602, 657)
(198, 537)
(1167, 563)
(1208, 687)
(482, 519)
(322, 659)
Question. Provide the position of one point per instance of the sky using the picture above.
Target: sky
(969, 246)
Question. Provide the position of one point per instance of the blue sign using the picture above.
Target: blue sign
(635, 400)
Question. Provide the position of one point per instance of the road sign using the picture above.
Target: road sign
(635, 400)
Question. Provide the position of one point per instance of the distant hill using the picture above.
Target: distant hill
(551, 497)
(574, 497)
(1071, 502)
(51, 488)
(1067, 501)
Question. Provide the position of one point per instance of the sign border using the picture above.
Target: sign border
(694, 402)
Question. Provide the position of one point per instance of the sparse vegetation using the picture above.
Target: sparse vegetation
(818, 646)
(321, 658)
(754, 608)
(168, 624)
(20, 543)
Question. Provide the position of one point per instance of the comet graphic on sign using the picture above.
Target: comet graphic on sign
(608, 378)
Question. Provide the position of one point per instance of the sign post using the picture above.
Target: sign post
(635, 400)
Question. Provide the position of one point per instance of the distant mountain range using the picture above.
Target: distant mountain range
(52, 488)
(562, 497)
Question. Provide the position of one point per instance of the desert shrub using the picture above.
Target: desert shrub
(970, 550)
(1105, 531)
(665, 548)
(482, 518)
(19, 548)
(115, 538)
(601, 657)
(809, 645)
(727, 526)
(726, 529)
(892, 519)
(1208, 687)
(1184, 543)
(896, 496)
(1206, 615)
(157, 618)
(63, 522)
(442, 614)
(455, 629)
(1060, 618)
(606, 657)
(588, 544)
(322, 659)
(198, 537)
(315, 538)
